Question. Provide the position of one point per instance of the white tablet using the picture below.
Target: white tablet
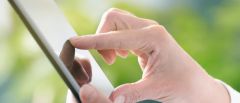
(51, 30)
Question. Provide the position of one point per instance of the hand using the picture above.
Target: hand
(170, 75)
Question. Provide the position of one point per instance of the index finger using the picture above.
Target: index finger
(124, 40)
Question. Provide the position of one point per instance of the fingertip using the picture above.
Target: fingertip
(122, 53)
(110, 60)
(87, 93)
(123, 56)
(73, 40)
(116, 97)
(109, 56)
(117, 92)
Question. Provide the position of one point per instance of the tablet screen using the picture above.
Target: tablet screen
(51, 30)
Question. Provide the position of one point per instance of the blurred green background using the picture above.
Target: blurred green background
(209, 30)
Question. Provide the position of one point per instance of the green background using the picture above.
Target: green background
(209, 30)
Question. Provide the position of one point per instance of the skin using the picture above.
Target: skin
(170, 75)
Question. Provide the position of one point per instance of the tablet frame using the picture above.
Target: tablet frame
(51, 55)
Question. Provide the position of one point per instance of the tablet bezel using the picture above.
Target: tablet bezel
(58, 64)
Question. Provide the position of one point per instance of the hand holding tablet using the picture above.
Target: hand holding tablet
(169, 75)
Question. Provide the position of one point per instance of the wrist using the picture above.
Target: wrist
(199, 87)
(206, 89)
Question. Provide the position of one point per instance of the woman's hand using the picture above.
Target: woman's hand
(170, 75)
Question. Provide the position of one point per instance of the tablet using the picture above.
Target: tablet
(51, 30)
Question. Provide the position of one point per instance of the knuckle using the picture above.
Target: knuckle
(156, 30)
(155, 34)
(110, 13)
(113, 10)
(135, 94)
(151, 22)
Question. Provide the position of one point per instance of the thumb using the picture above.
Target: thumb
(133, 92)
(89, 94)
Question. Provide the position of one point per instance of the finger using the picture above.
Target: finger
(120, 11)
(108, 55)
(116, 19)
(125, 40)
(133, 92)
(122, 53)
(89, 94)
(109, 20)
(142, 60)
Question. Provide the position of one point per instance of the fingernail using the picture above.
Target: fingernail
(119, 99)
(107, 59)
(110, 59)
(124, 56)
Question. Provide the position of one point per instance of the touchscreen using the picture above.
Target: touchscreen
(52, 31)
